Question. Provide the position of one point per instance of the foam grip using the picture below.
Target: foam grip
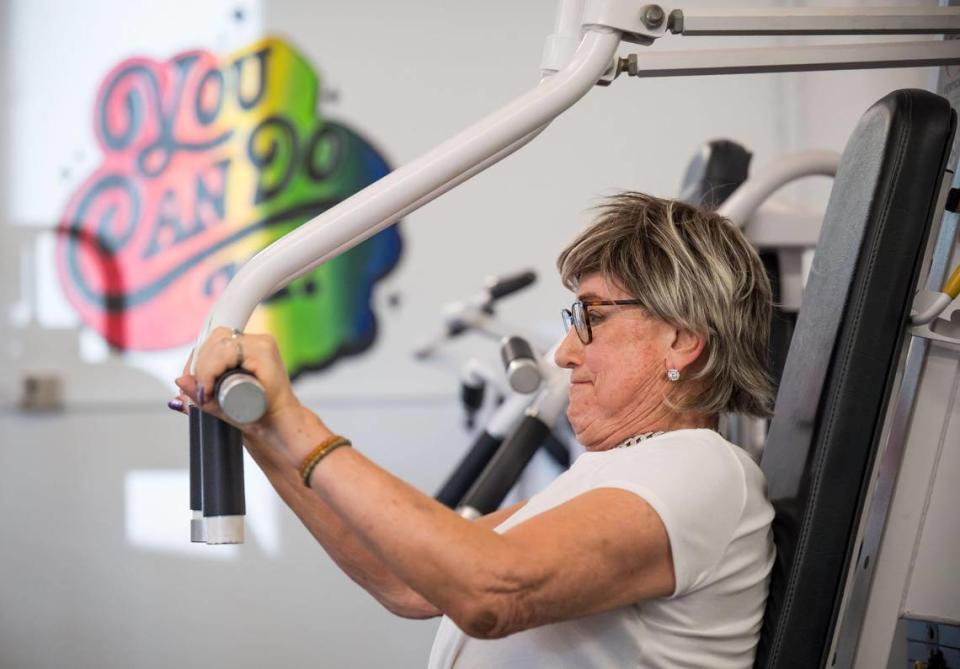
(472, 396)
(196, 482)
(506, 466)
(715, 172)
(221, 464)
(510, 284)
(468, 469)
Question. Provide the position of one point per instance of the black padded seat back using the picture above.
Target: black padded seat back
(715, 172)
(840, 367)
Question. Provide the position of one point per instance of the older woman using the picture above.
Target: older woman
(654, 549)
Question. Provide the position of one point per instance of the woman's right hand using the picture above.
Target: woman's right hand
(259, 356)
(287, 431)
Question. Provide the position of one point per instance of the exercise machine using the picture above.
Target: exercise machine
(857, 367)
(519, 424)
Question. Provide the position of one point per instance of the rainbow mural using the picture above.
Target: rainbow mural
(207, 160)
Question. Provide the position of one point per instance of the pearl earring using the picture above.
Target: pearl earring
(673, 375)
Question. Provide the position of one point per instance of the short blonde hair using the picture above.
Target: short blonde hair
(694, 270)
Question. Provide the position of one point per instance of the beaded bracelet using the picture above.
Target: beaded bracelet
(322, 450)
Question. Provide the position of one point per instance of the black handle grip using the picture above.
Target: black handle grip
(515, 347)
(196, 482)
(718, 169)
(471, 397)
(558, 451)
(222, 467)
(510, 284)
(507, 465)
(469, 468)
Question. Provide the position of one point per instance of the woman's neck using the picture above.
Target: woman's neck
(667, 421)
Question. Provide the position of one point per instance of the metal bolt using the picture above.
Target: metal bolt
(653, 16)
(622, 66)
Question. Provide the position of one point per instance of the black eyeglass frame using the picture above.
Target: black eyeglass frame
(578, 315)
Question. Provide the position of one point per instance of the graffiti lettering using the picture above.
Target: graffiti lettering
(111, 207)
(137, 112)
(211, 195)
(272, 149)
(218, 279)
(210, 89)
(323, 153)
(243, 65)
(206, 162)
(169, 230)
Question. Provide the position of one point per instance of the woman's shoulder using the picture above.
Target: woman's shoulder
(687, 449)
(696, 481)
(696, 463)
(708, 451)
(699, 466)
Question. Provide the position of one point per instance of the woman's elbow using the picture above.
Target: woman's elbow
(492, 617)
(498, 600)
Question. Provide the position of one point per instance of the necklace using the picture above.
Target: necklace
(636, 439)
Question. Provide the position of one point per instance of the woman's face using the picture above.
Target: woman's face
(618, 381)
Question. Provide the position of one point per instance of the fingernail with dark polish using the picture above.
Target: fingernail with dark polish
(176, 404)
(200, 393)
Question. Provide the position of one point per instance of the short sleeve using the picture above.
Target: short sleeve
(698, 488)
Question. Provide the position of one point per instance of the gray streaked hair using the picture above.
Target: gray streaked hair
(694, 270)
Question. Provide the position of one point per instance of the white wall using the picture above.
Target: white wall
(74, 591)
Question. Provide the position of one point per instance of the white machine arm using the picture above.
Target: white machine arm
(384, 202)
(903, 20)
(746, 200)
(790, 59)
(642, 22)
(604, 23)
(582, 53)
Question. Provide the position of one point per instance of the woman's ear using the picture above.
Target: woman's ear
(686, 349)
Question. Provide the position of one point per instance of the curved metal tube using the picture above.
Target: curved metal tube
(364, 214)
(745, 201)
(383, 202)
(936, 307)
(453, 183)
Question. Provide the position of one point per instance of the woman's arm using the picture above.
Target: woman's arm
(601, 550)
(339, 541)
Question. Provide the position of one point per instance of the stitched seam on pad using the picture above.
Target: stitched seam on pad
(805, 528)
(777, 646)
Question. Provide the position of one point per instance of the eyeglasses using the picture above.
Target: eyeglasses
(578, 317)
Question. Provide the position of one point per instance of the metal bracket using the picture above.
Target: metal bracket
(643, 23)
(953, 201)
(948, 321)
(42, 392)
(873, 519)
(909, 20)
(805, 58)
(640, 24)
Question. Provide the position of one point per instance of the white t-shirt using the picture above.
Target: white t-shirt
(712, 500)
